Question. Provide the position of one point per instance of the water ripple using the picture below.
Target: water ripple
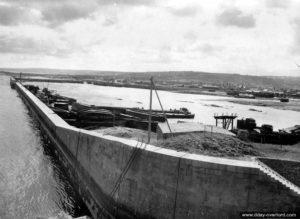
(32, 182)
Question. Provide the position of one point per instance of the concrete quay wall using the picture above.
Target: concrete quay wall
(159, 183)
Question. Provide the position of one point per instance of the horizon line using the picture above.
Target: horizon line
(137, 72)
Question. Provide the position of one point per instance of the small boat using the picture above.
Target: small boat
(182, 113)
(284, 100)
(178, 115)
(61, 105)
(248, 96)
(232, 93)
(145, 115)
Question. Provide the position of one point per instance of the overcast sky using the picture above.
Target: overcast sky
(238, 36)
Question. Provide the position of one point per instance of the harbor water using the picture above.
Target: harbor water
(32, 182)
(204, 106)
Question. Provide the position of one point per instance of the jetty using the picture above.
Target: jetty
(125, 178)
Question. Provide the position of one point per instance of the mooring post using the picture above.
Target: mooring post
(150, 112)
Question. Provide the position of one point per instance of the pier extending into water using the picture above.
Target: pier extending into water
(121, 178)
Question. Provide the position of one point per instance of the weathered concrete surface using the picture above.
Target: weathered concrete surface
(161, 183)
(163, 129)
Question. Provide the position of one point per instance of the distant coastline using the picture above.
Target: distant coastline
(288, 82)
(260, 102)
(292, 105)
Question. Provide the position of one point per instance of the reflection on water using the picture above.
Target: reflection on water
(204, 106)
(32, 182)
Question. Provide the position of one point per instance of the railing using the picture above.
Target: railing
(272, 173)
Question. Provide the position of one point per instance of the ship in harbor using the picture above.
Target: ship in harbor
(284, 99)
(126, 178)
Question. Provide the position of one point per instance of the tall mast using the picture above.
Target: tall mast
(150, 111)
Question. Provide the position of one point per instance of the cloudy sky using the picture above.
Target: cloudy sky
(239, 36)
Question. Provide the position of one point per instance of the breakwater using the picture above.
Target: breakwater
(128, 179)
(32, 181)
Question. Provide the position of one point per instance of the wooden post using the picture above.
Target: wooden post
(150, 112)
(161, 106)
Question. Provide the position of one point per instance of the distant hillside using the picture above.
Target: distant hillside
(204, 77)
(218, 78)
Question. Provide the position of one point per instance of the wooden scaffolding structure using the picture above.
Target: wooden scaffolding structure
(225, 120)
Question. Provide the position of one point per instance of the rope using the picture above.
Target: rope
(161, 104)
(177, 182)
(124, 171)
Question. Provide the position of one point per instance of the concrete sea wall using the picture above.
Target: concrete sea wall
(158, 183)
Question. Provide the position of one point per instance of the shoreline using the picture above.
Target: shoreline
(294, 106)
(261, 102)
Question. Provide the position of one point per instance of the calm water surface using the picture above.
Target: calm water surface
(32, 183)
(204, 106)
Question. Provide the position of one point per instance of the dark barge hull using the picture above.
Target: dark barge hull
(157, 115)
(145, 116)
(284, 100)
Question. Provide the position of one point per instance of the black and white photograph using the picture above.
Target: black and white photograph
(149, 109)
